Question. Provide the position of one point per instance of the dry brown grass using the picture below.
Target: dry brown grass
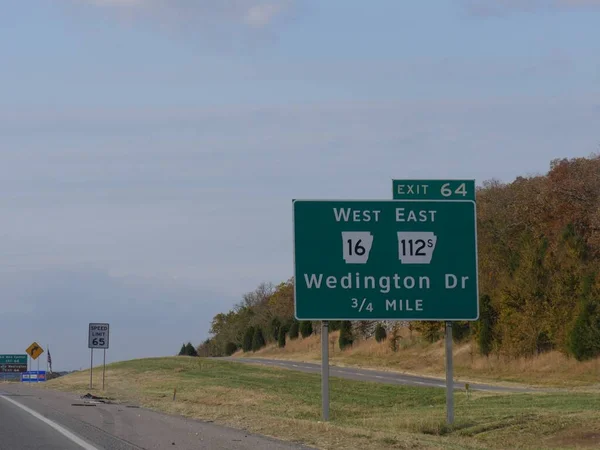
(416, 357)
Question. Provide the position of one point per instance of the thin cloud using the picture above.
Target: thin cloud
(263, 14)
(119, 3)
(252, 13)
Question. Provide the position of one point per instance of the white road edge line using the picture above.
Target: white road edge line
(52, 424)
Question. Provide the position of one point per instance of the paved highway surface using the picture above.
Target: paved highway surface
(34, 419)
(352, 373)
(20, 430)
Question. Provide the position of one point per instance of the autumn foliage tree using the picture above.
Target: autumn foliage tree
(539, 258)
(538, 238)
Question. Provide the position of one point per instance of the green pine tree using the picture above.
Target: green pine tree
(258, 340)
(248, 337)
(306, 328)
(584, 337)
(380, 333)
(394, 337)
(486, 325)
(275, 326)
(460, 330)
(294, 330)
(230, 348)
(346, 338)
(281, 338)
(190, 350)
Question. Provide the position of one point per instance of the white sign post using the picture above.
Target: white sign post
(98, 337)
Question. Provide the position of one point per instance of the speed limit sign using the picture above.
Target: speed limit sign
(98, 335)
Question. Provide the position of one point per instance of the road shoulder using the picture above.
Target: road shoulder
(125, 426)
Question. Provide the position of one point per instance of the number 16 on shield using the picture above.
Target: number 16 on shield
(357, 246)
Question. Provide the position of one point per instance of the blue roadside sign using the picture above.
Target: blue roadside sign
(33, 376)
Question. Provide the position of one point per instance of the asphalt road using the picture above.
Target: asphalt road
(55, 420)
(352, 373)
(20, 430)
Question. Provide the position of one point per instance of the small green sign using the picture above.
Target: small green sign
(385, 260)
(13, 359)
(434, 189)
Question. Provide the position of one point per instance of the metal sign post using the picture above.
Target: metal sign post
(325, 369)
(103, 369)
(449, 376)
(91, 366)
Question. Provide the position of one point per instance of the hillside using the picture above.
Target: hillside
(286, 404)
(539, 266)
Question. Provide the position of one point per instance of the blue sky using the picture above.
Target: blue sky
(150, 149)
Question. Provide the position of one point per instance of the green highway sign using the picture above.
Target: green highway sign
(433, 189)
(13, 359)
(13, 363)
(385, 260)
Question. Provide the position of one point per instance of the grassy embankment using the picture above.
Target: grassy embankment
(417, 357)
(286, 404)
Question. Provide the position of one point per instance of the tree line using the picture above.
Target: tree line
(539, 265)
